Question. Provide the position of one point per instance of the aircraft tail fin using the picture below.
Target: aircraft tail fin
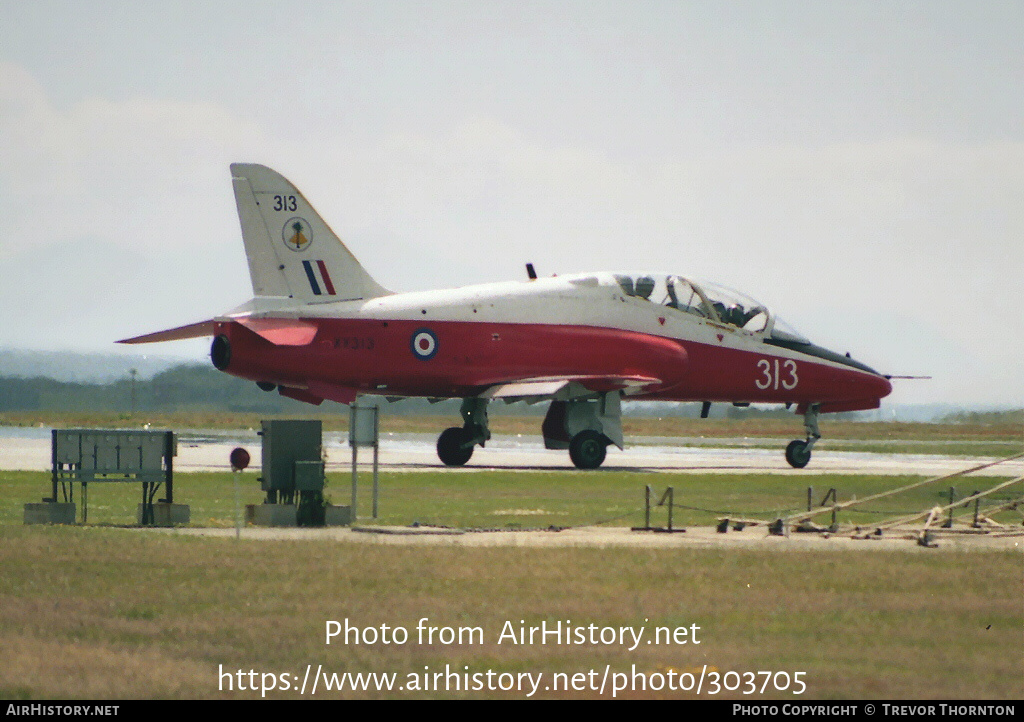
(292, 252)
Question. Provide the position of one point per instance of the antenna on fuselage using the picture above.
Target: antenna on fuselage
(530, 272)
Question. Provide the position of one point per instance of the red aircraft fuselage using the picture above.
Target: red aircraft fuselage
(429, 347)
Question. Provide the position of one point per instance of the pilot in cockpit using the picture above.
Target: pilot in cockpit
(643, 287)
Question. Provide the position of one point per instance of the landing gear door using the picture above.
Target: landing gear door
(603, 414)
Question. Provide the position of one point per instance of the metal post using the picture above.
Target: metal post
(360, 434)
(238, 520)
(239, 460)
(810, 495)
(355, 479)
(376, 449)
(647, 507)
(146, 508)
(169, 455)
(53, 465)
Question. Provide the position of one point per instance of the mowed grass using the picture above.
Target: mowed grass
(530, 500)
(115, 613)
(100, 612)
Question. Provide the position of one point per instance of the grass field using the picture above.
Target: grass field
(519, 500)
(104, 612)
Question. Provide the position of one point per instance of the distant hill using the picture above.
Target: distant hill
(79, 367)
(1012, 416)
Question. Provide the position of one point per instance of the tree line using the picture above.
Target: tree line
(184, 387)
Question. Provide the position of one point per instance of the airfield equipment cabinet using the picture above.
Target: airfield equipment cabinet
(101, 455)
(285, 442)
(293, 467)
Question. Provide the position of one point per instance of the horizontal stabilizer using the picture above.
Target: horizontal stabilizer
(281, 331)
(193, 330)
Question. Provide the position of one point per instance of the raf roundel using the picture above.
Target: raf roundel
(424, 344)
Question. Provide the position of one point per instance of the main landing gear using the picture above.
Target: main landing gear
(588, 449)
(455, 444)
(585, 426)
(798, 453)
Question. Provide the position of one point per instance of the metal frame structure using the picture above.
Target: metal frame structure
(85, 456)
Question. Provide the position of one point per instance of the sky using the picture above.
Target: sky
(857, 166)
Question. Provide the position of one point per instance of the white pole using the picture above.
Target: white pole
(238, 519)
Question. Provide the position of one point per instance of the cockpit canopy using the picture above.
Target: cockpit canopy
(707, 300)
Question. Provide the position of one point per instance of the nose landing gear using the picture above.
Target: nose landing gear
(798, 453)
(455, 445)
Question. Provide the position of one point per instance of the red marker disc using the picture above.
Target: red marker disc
(239, 459)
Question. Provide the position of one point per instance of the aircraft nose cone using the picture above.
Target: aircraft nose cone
(875, 384)
(882, 385)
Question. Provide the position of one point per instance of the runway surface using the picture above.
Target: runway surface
(28, 448)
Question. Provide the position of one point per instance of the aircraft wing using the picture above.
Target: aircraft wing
(566, 388)
(193, 330)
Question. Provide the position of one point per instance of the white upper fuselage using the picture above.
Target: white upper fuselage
(590, 299)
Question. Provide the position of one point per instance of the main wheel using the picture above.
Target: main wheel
(797, 454)
(454, 447)
(587, 449)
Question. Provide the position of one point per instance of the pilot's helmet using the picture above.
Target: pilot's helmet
(644, 286)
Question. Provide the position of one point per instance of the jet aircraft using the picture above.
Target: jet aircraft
(319, 327)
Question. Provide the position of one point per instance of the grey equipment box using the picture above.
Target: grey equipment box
(286, 441)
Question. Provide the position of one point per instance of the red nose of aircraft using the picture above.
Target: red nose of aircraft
(877, 386)
(870, 383)
(864, 389)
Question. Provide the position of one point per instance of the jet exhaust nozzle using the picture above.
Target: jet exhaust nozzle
(220, 352)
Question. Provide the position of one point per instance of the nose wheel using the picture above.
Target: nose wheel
(455, 446)
(798, 453)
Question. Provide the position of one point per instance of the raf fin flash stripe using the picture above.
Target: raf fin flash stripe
(322, 284)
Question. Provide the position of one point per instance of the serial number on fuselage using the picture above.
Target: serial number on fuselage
(350, 343)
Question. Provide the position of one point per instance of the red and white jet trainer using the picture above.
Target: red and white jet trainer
(319, 327)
